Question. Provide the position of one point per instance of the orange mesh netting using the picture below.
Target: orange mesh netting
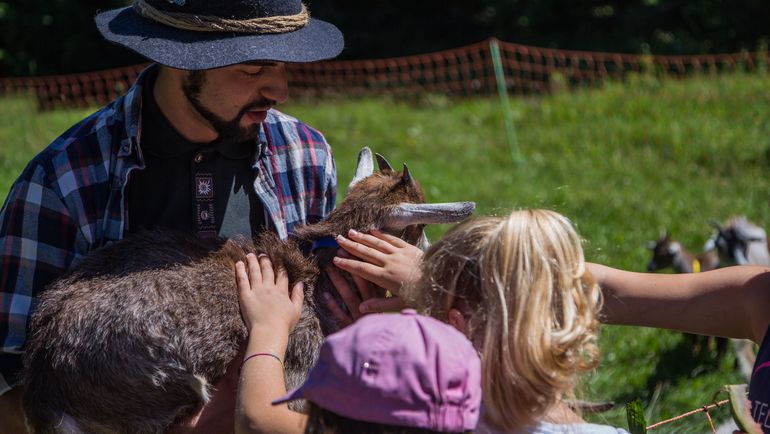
(460, 72)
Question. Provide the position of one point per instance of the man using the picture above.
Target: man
(193, 145)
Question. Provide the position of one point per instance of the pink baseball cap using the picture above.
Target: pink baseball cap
(399, 369)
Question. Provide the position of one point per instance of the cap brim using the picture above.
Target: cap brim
(291, 396)
(184, 49)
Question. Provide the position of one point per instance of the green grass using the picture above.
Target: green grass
(24, 132)
(624, 162)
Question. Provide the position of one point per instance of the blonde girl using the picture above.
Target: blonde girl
(517, 286)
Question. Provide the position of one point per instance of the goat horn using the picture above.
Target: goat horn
(383, 163)
(406, 214)
(716, 225)
(365, 166)
(407, 177)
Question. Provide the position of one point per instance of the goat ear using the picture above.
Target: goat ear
(652, 245)
(365, 166)
(383, 164)
(407, 177)
(674, 248)
(406, 214)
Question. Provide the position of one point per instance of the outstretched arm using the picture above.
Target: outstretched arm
(270, 314)
(732, 302)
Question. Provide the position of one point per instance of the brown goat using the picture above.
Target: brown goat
(130, 340)
(669, 253)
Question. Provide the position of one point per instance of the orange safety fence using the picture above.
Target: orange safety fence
(460, 72)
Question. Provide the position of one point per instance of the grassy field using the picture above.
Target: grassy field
(624, 162)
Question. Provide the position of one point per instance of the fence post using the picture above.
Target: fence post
(502, 91)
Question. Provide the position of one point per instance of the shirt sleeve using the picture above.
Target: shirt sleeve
(37, 244)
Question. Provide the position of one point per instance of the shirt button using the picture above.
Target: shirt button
(198, 157)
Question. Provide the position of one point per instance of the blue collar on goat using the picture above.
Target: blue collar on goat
(324, 242)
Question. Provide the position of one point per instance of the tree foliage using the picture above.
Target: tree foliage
(56, 36)
(397, 27)
(40, 37)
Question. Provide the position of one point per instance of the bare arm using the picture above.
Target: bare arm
(270, 314)
(731, 302)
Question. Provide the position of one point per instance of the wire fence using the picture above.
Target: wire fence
(461, 72)
(705, 410)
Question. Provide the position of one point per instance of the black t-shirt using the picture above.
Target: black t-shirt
(759, 387)
(193, 187)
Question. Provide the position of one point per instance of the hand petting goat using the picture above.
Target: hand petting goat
(378, 258)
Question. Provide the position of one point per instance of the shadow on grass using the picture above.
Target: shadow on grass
(684, 360)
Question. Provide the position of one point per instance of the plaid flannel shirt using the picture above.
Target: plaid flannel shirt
(71, 199)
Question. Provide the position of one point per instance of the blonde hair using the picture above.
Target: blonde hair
(529, 304)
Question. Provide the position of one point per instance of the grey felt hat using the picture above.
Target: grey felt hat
(205, 34)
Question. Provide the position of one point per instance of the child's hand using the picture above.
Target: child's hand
(351, 297)
(264, 296)
(387, 261)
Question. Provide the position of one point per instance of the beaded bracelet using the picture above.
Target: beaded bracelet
(263, 354)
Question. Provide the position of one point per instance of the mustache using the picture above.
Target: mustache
(260, 104)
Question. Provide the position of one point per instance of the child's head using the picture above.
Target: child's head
(518, 287)
(393, 373)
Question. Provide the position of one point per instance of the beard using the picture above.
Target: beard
(228, 131)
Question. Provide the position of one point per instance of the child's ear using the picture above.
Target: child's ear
(457, 320)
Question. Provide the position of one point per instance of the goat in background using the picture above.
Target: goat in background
(131, 339)
(740, 242)
(667, 252)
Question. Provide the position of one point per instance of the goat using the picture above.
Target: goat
(131, 339)
(669, 253)
(740, 242)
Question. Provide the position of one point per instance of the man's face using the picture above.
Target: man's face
(235, 99)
